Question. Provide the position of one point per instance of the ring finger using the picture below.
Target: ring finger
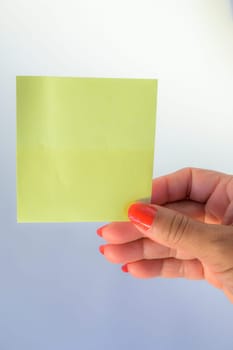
(141, 249)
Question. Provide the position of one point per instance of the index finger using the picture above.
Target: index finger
(188, 183)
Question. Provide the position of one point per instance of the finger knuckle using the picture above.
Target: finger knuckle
(146, 248)
(177, 228)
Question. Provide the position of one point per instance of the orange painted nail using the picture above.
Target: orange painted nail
(101, 249)
(142, 214)
(124, 268)
(99, 231)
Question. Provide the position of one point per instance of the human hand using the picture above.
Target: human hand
(187, 231)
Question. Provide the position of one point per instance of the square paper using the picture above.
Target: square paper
(85, 147)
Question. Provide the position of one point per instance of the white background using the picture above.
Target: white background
(56, 291)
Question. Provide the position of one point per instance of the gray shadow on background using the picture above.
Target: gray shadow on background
(231, 5)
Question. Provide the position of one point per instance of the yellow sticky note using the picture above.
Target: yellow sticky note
(85, 147)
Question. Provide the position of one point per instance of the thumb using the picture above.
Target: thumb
(178, 231)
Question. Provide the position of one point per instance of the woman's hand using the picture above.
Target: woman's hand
(187, 231)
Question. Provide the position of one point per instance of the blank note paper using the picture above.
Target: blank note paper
(85, 147)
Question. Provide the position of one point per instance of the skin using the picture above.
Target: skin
(200, 247)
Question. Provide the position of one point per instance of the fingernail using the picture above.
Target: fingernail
(142, 214)
(99, 231)
(124, 268)
(101, 249)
